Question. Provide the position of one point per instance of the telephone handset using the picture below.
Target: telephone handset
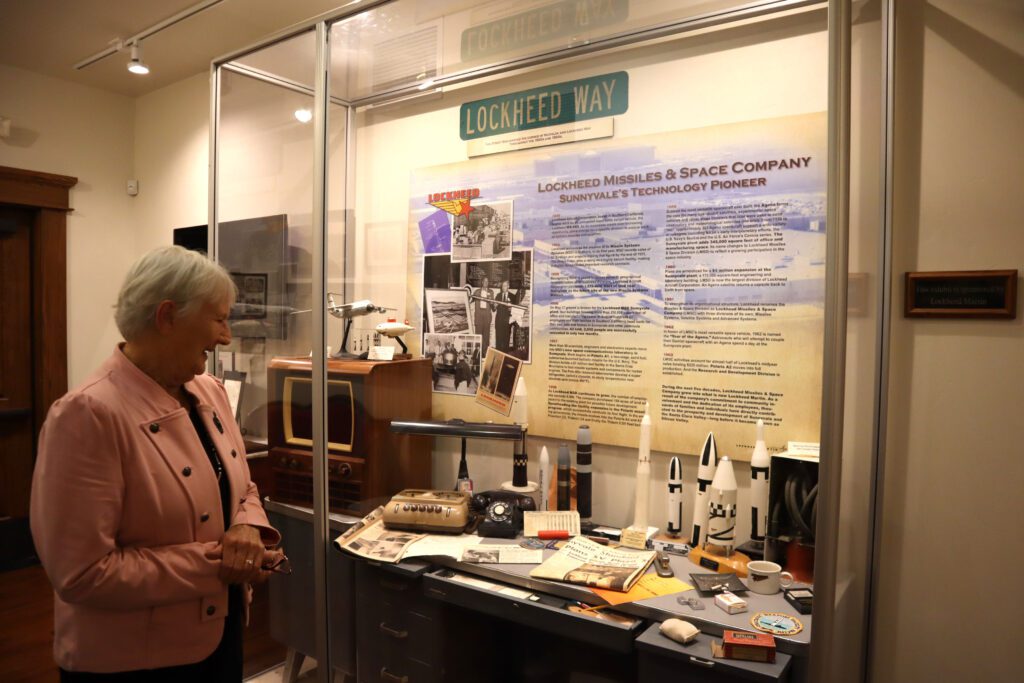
(501, 512)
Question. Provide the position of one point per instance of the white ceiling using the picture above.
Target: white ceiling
(50, 36)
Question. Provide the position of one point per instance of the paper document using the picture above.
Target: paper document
(648, 586)
(501, 554)
(434, 545)
(368, 538)
(564, 520)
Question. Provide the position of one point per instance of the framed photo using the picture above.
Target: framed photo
(252, 296)
(485, 234)
(456, 362)
(447, 311)
(234, 384)
(498, 381)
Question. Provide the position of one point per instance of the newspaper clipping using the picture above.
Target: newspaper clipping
(584, 562)
(368, 538)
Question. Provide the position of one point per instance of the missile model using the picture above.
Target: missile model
(394, 329)
(759, 463)
(584, 476)
(675, 498)
(643, 472)
(563, 478)
(722, 508)
(705, 474)
(544, 477)
(518, 414)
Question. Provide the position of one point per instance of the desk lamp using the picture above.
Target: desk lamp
(473, 430)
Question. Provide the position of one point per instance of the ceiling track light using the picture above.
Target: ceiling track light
(135, 64)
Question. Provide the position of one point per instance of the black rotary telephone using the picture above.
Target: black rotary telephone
(500, 513)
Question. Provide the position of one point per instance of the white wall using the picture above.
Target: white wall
(103, 139)
(69, 129)
(948, 602)
(171, 155)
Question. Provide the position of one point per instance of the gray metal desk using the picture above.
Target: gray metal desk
(291, 601)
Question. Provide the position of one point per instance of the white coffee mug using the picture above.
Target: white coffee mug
(766, 577)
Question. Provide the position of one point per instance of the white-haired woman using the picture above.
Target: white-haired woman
(143, 512)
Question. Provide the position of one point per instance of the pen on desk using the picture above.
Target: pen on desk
(563, 478)
(542, 478)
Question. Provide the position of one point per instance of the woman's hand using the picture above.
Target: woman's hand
(243, 554)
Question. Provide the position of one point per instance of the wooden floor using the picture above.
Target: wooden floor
(26, 630)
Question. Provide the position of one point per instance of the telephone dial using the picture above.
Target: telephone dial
(500, 513)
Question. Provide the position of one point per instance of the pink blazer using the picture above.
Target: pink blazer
(126, 516)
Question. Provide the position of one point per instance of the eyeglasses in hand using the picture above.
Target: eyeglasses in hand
(281, 566)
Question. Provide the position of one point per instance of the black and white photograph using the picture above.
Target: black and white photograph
(456, 362)
(499, 296)
(498, 381)
(447, 311)
(482, 554)
(485, 234)
(252, 296)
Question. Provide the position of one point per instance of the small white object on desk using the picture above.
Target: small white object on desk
(381, 353)
(552, 520)
(679, 630)
(730, 602)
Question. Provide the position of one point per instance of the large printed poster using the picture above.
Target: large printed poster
(684, 269)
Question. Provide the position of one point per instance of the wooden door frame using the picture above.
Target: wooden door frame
(47, 195)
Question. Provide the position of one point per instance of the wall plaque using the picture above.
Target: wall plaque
(961, 294)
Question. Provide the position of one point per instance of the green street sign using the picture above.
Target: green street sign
(539, 25)
(551, 105)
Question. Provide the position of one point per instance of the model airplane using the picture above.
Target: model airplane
(353, 309)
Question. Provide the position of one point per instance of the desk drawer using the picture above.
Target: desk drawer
(448, 586)
(663, 659)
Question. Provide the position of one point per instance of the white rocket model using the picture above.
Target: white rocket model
(519, 405)
(675, 498)
(705, 474)
(544, 477)
(759, 463)
(722, 507)
(643, 472)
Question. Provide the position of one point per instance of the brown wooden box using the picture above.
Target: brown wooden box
(367, 463)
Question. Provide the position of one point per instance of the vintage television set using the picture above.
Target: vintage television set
(367, 462)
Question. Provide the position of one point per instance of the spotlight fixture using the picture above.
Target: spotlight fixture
(136, 65)
(303, 115)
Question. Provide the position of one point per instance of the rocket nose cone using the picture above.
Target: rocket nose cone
(725, 477)
(709, 456)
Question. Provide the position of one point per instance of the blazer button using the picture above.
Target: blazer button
(234, 453)
(154, 427)
(205, 517)
(187, 471)
(210, 610)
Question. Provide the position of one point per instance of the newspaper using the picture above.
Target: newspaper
(368, 538)
(591, 564)
(501, 554)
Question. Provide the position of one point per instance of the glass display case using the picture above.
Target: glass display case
(554, 214)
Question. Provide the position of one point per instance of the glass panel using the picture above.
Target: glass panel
(410, 42)
(672, 253)
(264, 197)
